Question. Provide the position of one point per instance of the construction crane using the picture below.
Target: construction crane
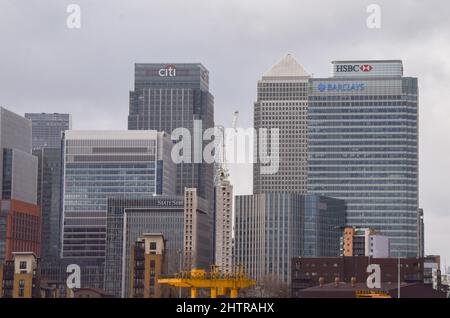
(222, 171)
(216, 281)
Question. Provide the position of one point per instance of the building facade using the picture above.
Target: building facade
(98, 165)
(421, 228)
(19, 213)
(20, 228)
(130, 218)
(168, 97)
(197, 252)
(49, 199)
(19, 277)
(364, 242)
(272, 228)
(47, 129)
(282, 103)
(223, 226)
(308, 272)
(363, 147)
(147, 265)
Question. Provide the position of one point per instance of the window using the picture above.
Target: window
(23, 265)
(153, 245)
(21, 287)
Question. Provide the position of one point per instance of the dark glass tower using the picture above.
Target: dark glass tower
(170, 96)
(47, 129)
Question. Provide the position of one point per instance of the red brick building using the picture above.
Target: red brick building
(20, 225)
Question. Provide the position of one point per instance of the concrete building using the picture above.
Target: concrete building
(432, 264)
(171, 96)
(197, 252)
(310, 272)
(18, 169)
(364, 242)
(147, 265)
(272, 228)
(223, 226)
(282, 103)
(19, 228)
(421, 233)
(128, 218)
(19, 278)
(363, 147)
(19, 213)
(98, 165)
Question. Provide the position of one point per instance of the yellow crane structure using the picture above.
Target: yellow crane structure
(368, 293)
(217, 281)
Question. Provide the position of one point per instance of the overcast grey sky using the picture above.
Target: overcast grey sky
(88, 72)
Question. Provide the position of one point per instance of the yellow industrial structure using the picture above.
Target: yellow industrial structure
(217, 281)
(368, 293)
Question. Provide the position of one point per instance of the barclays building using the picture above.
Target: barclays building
(363, 147)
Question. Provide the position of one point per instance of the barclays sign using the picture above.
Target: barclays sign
(340, 87)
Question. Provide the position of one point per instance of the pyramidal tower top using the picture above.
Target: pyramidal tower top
(286, 69)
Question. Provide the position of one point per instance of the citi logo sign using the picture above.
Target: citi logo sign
(355, 68)
(168, 71)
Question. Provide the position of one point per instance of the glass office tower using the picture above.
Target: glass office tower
(272, 228)
(103, 164)
(170, 96)
(47, 128)
(363, 147)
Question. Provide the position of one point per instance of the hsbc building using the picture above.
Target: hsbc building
(367, 68)
(363, 147)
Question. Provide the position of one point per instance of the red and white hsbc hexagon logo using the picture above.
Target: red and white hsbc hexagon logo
(168, 70)
(353, 68)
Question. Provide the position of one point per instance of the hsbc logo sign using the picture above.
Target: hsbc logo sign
(168, 71)
(353, 68)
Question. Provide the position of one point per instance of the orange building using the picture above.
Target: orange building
(21, 228)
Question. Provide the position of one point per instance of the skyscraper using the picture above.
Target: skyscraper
(19, 213)
(47, 129)
(282, 103)
(181, 219)
(169, 96)
(274, 227)
(47, 132)
(363, 147)
(105, 164)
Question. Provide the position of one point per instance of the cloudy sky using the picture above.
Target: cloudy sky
(88, 72)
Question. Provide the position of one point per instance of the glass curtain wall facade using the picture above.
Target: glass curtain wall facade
(127, 220)
(99, 165)
(272, 228)
(363, 148)
(47, 128)
(171, 96)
